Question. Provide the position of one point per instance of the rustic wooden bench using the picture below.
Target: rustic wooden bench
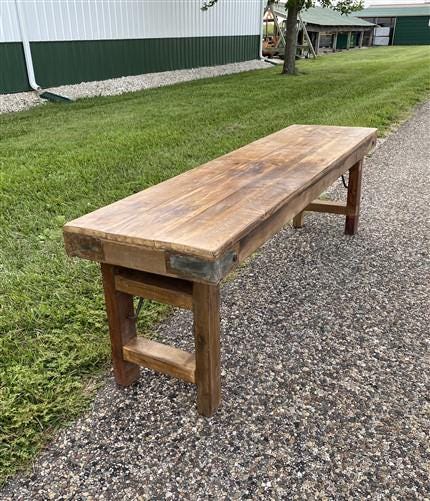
(176, 241)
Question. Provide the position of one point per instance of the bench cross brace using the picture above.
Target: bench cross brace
(351, 209)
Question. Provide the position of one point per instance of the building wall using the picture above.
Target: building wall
(13, 75)
(83, 40)
(413, 30)
(404, 30)
(342, 41)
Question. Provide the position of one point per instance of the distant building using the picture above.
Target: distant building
(327, 29)
(394, 3)
(399, 24)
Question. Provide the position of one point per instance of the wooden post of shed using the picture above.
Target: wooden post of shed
(334, 47)
(317, 42)
(360, 40)
(348, 40)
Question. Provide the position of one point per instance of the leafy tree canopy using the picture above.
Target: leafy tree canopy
(343, 6)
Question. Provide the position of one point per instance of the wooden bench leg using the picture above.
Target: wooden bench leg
(206, 308)
(298, 219)
(353, 199)
(122, 326)
(129, 351)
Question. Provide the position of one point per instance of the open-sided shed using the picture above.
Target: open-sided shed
(329, 29)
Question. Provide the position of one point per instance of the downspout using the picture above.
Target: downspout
(50, 96)
(27, 51)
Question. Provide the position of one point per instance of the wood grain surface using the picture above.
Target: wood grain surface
(209, 209)
(161, 358)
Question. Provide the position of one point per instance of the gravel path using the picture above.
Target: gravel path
(325, 376)
(24, 100)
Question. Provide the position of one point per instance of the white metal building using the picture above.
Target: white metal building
(71, 41)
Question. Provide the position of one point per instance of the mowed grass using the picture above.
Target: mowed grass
(60, 161)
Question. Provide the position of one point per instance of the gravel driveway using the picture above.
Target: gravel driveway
(325, 376)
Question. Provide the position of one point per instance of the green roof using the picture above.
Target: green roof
(324, 17)
(420, 10)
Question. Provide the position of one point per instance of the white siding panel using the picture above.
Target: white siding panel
(9, 28)
(34, 31)
(51, 20)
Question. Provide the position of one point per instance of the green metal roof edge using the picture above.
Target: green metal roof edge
(420, 10)
(325, 17)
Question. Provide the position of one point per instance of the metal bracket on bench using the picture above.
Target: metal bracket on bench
(210, 271)
(344, 182)
(139, 307)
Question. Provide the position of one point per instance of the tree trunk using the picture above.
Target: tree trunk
(289, 67)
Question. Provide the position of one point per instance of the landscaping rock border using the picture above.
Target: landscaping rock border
(114, 86)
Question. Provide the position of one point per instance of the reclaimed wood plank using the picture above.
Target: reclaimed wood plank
(328, 206)
(161, 358)
(206, 210)
(207, 347)
(298, 219)
(133, 256)
(122, 326)
(173, 291)
(353, 198)
(297, 203)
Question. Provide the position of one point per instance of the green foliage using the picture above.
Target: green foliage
(207, 4)
(343, 6)
(58, 162)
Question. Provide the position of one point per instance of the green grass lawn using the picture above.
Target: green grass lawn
(60, 161)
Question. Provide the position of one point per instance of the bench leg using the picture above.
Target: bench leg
(353, 199)
(298, 219)
(122, 326)
(206, 308)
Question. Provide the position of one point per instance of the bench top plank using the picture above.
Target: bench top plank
(207, 209)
